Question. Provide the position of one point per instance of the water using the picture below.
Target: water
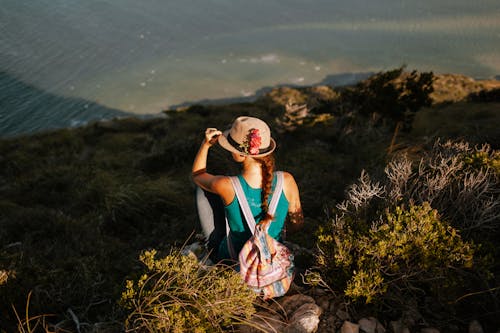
(66, 62)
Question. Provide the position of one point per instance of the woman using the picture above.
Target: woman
(250, 143)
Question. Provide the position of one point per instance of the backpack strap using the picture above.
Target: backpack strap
(245, 208)
(247, 213)
(277, 193)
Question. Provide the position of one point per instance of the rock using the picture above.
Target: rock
(475, 327)
(398, 327)
(317, 292)
(429, 330)
(412, 316)
(330, 323)
(292, 303)
(370, 325)
(342, 315)
(348, 327)
(263, 322)
(305, 319)
(333, 306)
(323, 302)
(301, 311)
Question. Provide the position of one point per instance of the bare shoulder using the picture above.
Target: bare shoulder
(290, 186)
(288, 179)
(295, 216)
(221, 184)
(223, 187)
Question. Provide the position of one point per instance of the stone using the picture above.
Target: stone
(331, 320)
(323, 302)
(263, 322)
(398, 327)
(412, 316)
(332, 307)
(318, 292)
(342, 315)
(475, 327)
(348, 327)
(291, 303)
(370, 325)
(367, 325)
(305, 319)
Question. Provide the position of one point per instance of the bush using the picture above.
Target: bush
(460, 181)
(179, 294)
(485, 96)
(393, 95)
(424, 230)
(405, 251)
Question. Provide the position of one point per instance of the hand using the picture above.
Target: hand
(212, 135)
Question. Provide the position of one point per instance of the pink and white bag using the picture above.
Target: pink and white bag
(265, 264)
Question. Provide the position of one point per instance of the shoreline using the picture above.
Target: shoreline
(80, 116)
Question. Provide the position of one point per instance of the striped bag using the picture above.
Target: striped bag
(266, 265)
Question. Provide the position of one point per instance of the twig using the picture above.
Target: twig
(75, 319)
(473, 294)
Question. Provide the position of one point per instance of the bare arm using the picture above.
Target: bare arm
(216, 184)
(295, 217)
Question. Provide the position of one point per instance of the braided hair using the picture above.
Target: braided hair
(267, 167)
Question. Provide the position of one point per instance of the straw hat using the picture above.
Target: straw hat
(248, 136)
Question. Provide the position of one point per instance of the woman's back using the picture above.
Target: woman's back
(240, 231)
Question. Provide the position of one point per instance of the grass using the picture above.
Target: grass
(476, 121)
(77, 207)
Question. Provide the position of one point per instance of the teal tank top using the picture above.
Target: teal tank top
(240, 231)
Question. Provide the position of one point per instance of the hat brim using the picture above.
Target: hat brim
(224, 143)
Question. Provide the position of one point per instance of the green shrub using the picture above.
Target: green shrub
(177, 293)
(485, 96)
(394, 95)
(419, 233)
(406, 250)
(483, 159)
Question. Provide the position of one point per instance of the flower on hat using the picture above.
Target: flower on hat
(252, 143)
(255, 141)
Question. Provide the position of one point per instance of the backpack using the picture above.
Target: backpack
(265, 264)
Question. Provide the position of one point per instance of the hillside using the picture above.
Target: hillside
(78, 206)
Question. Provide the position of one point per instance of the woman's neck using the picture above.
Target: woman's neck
(252, 172)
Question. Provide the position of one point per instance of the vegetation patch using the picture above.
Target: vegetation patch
(407, 252)
(79, 206)
(177, 293)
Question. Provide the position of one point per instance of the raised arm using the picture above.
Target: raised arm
(295, 218)
(216, 184)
